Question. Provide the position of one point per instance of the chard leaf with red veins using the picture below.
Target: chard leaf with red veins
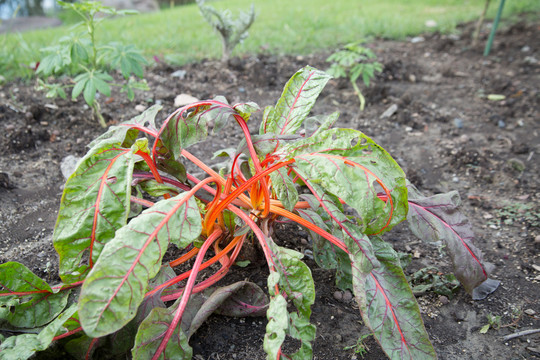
(27, 307)
(150, 335)
(295, 103)
(116, 286)
(437, 218)
(391, 310)
(24, 346)
(95, 204)
(351, 166)
(284, 188)
(126, 133)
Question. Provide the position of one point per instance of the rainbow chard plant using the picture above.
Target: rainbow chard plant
(131, 199)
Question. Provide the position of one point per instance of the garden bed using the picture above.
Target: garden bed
(445, 133)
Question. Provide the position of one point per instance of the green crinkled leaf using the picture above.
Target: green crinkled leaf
(154, 188)
(151, 332)
(278, 323)
(116, 286)
(350, 165)
(389, 308)
(294, 278)
(246, 109)
(284, 188)
(127, 58)
(345, 228)
(96, 200)
(317, 124)
(126, 133)
(184, 130)
(23, 346)
(30, 310)
(295, 103)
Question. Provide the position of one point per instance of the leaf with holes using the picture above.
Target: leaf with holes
(116, 286)
(437, 218)
(295, 103)
(33, 302)
(95, 204)
(293, 278)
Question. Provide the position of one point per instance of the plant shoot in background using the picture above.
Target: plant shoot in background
(231, 30)
(131, 199)
(79, 56)
(353, 62)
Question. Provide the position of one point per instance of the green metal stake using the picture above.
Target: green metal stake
(494, 28)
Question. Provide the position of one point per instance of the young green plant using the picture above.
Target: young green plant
(112, 251)
(78, 55)
(352, 62)
(232, 31)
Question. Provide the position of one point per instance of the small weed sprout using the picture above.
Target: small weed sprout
(360, 347)
(352, 62)
(494, 322)
(232, 31)
(78, 55)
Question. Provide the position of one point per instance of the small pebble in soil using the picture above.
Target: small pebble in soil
(460, 315)
(530, 312)
(537, 239)
(338, 295)
(347, 296)
(501, 124)
(444, 300)
(458, 123)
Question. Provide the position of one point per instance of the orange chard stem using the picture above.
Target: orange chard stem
(206, 264)
(153, 169)
(212, 215)
(182, 259)
(285, 213)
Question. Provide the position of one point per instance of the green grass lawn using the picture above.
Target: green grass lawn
(281, 27)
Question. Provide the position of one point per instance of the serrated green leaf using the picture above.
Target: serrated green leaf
(295, 103)
(33, 309)
(94, 205)
(79, 87)
(102, 86)
(117, 284)
(89, 92)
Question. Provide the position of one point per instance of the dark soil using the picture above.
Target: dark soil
(445, 134)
